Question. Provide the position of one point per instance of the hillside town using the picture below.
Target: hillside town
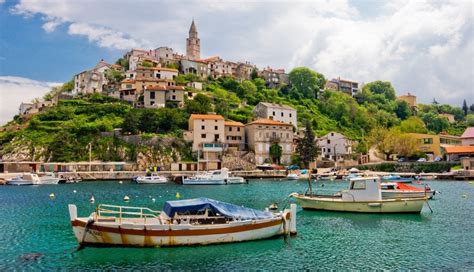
(150, 79)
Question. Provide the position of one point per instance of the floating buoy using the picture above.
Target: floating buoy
(120, 182)
(465, 196)
(126, 198)
(177, 195)
(471, 182)
(273, 207)
(92, 200)
(153, 199)
(52, 196)
(74, 191)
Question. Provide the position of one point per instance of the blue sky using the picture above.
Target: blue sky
(422, 47)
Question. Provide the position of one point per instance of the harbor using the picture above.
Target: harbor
(326, 240)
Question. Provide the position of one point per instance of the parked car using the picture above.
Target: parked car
(402, 160)
(421, 160)
(437, 159)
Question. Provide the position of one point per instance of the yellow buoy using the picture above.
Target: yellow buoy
(52, 196)
(177, 195)
(126, 198)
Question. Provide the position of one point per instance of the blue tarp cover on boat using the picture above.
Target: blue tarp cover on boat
(225, 209)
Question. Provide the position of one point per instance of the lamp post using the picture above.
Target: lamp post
(90, 156)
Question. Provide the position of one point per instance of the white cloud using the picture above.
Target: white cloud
(15, 90)
(424, 47)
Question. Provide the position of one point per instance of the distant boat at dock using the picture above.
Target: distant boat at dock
(151, 178)
(216, 177)
(363, 195)
(200, 221)
(24, 179)
(397, 178)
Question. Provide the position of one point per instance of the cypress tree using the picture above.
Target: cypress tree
(307, 148)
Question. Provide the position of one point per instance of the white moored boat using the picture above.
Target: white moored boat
(49, 178)
(364, 195)
(198, 221)
(152, 178)
(24, 179)
(217, 177)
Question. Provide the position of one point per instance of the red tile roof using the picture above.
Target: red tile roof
(233, 123)
(459, 149)
(468, 133)
(206, 117)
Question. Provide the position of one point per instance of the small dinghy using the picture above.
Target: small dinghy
(198, 221)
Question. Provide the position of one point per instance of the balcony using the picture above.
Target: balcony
(213, 147)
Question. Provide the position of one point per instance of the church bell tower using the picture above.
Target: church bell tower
(193, 44)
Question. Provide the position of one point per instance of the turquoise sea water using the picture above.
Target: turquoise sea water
(32, 223)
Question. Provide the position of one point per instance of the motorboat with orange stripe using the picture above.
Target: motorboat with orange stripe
(198, 221)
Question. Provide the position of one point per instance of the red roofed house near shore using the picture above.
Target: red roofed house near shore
(467, 137)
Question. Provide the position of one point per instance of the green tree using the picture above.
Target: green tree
(307, 148)
(471, 108)
(470, 120)
(464, 107)
(254, 74)
(114, 75)
(402, 109)
(123, 62)
(68, 86)
(384, 140)
(200, 104)
(275, 153)
(131, 122)
(383, 88)
(306, 82)
(413, 125)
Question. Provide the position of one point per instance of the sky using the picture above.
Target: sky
(422, 47)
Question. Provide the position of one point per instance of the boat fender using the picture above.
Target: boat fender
(178, 195)
(90, 221)
(225, 181)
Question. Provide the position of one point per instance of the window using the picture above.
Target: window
(332, 134)
(288, 135)
(215, 127)
(428, 141)
(329, 141)
(203, 136)
(158, 75)
(152, 95)
(174, 97)
(282, 114)
(230, 128)
(329, 150)
(238, 129)
(273, 113)
(358, 185)
(290, 114)
(203, 127)
(152, 103)
(216, 136)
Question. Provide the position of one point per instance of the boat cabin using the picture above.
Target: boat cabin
(363, 189)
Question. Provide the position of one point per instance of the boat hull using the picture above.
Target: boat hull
(389, 194)
(136, 235)
(409, 205)
(140, 181)
(19, 182)
(204, 182)
(401, 180)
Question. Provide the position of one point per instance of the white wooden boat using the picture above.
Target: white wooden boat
(430, 177)
(292, 176)
(199, 221)
(402, 190)
(24, 179)
(217, 177)
(152, 178)
(49, 178)
(364, 195)
(327, 177)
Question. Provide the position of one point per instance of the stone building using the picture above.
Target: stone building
(261, 134)
(282, 113)
(335, 146)
(93, 80)
(274, 77)
(193, 44)
(156, 96)
(207, 132)
(342, 85)
(234, 135)
(409, 98)
(197, 67)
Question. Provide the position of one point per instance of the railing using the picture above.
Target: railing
(120, 211)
